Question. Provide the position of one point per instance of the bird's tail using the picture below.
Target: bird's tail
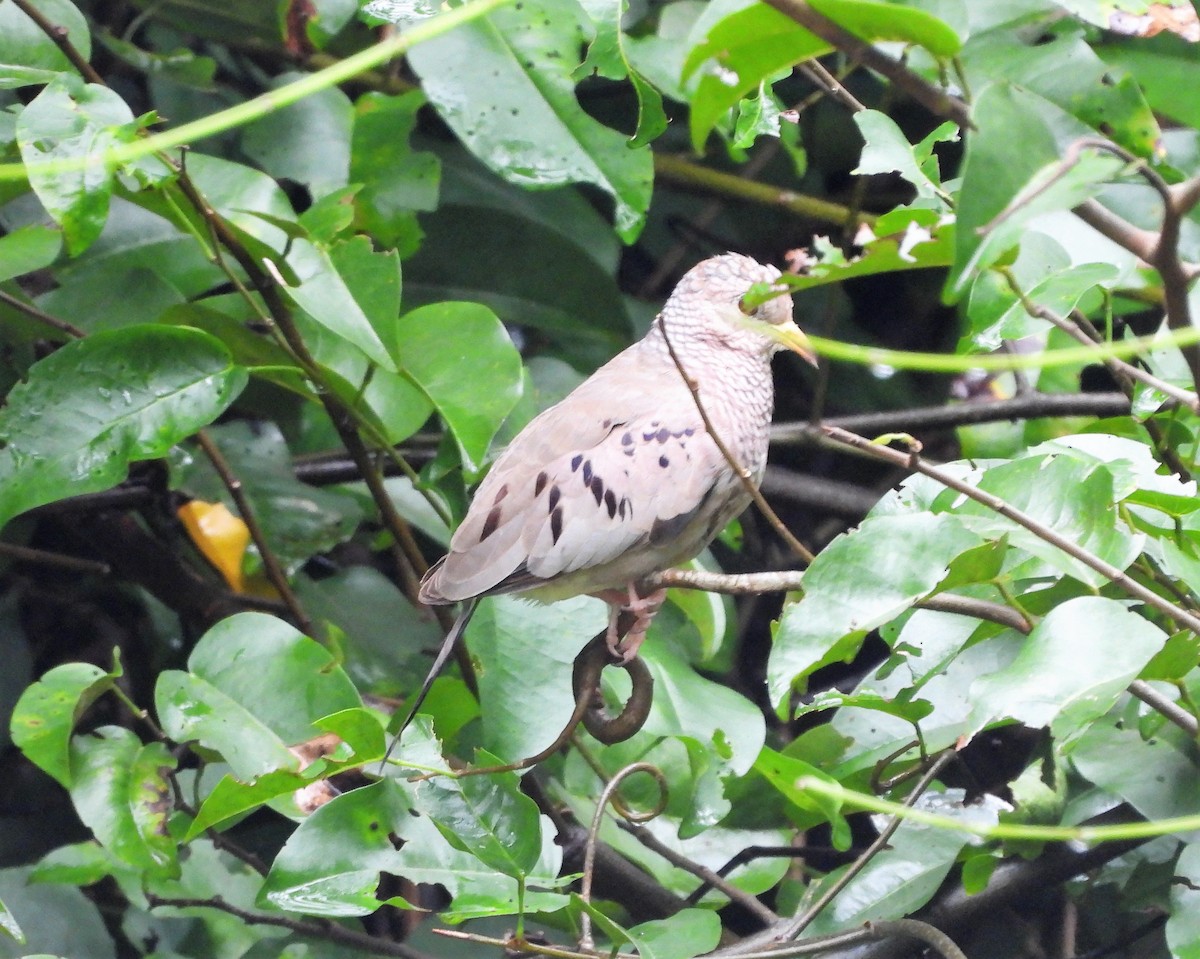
(439, 663)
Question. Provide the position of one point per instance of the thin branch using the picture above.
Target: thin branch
(1100, 218)
(316, 929)
(271, 565)
(826, 81)
(589, 855)
(1030, 406)
(62, 326)
(687, 174)
(1119, 367)
(61, 39)
(41, 557)
(912, 461)
(793, 928)
(1167, 707)
(934, 99)
(739, 470)
(748, 902)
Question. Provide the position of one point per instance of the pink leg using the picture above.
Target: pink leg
(642, 608)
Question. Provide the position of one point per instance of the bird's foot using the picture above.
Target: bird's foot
(629, 604)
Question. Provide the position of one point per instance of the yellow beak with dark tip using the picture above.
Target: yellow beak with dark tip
(789, 335)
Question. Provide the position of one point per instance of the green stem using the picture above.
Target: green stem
(269, 102)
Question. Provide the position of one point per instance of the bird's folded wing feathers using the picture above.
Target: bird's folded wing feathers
(637, 484)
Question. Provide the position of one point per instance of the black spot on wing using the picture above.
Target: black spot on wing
(627, 438)
(555, 496)
(575, 461)
(501, 493)
(666, 530)
(597, 489)
(664, 462)
(490, 524)
(587, 473)
(556, 525)
(610, 501)
(663, 435)
(542, 479)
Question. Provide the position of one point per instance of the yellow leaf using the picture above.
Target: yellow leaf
(220, 536)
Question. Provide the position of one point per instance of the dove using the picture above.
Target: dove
(622, 478)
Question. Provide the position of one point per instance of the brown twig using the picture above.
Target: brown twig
(826, 81)
(1168, 708)
(316, 929)
(684, 173)
(271, 565)
(793, 928)
(1026, 407)
(748, 902)
(1182, 617)
(61, 39)
(41, 557)
(741, 472)
(589, 856)
(935, 100)
(62, 326)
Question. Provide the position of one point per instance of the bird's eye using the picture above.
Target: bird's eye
(754, 311)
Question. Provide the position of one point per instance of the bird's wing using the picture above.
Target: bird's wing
(578, 490)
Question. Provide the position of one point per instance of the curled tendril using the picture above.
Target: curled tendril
(585, 679)
(589, 856)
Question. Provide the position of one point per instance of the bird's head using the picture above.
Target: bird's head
(710, 301)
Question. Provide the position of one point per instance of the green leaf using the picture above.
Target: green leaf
(398, 181)
(1156, 775)
(330, 865)
(504, 85)
(899, 880)
(93, 407)
(690, 932)
(1071, 669)
(1059, 292)
(785, 773)
(48, 710)
(1003, 189)
(273, 670)
(462, 358)
(76, 864)
(520, 646)
(231, 797)
(1162, 65)
(753, 44)
(578, 303)
(121, 793)
(1066, 71)
(906, 239)
(129, 297)
(686, 704)
(861, 580)
(326, 296)
(9, 926)
(28, 248)
(27, 54)
(361, 741)
(608, 57)
(70, 120)
(1071, 494)
(307, 141)
(191, 709)
(487, 816)
(886, 150)
(57, 920)
(385, 635)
